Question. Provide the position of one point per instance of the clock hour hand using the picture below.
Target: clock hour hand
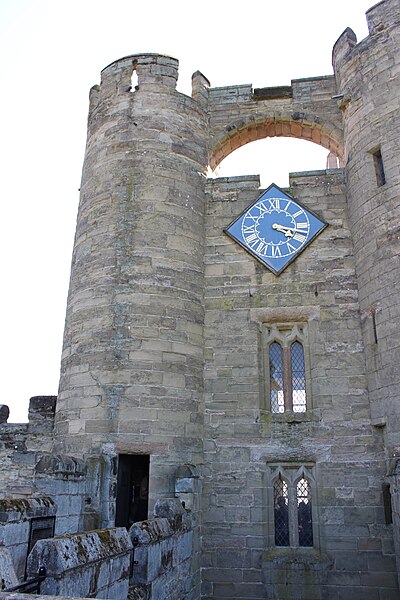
(288, 231)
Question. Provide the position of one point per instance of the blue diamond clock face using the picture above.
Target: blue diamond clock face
(275, 229)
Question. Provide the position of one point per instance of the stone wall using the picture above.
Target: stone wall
(394, 481)
(63, 479)
(91, 565)
(29, 467)
(239, 115)
(333, 439)
(165, 555)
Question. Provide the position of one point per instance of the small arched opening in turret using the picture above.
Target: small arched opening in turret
(134, 78)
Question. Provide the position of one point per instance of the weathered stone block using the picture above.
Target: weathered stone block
(76, 563)
(8, 577)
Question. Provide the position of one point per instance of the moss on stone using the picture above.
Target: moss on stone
(14, 504)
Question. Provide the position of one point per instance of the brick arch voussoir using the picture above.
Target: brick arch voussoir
(307, 128)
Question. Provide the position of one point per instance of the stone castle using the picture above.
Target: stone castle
(221, 430)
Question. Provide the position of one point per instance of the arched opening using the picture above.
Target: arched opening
(280, 139)
(134, 78)
(274, 158)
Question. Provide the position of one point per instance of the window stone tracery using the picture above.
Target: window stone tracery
(285, 366)
(292, 511)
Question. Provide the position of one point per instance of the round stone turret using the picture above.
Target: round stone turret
(131, 375)
(368, 79)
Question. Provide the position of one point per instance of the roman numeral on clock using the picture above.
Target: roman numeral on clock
(299, 237)
(275, 203)
(262, 208)
(251, 238)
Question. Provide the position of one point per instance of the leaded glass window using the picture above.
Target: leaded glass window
(298, 377)
(281, 513)
(291, 509)
(286, 369)
(276, 378)
(304, 512)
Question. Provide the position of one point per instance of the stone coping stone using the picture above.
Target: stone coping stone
(68, 552)
(170, 519)
(15, 510)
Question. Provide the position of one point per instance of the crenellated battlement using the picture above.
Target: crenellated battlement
(21, 443)
(381, 19)
(151, 69)
(146, 72)
(382, 16)
(40, 412)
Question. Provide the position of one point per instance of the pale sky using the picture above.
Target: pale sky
(52, 53)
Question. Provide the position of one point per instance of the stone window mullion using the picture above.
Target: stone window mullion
(294, 538)
(287, 379)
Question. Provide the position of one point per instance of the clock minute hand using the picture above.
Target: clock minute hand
(288, 231)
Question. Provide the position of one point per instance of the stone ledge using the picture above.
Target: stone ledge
(292, 418)
(283, 314)
(296, 558)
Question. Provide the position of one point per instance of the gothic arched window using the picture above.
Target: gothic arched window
(281, 513)
(304, 512)
(292, 506)
(286, 369)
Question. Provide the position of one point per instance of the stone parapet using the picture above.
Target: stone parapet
(382, 16)
(41, 413)
(164, 553)
(93, 564)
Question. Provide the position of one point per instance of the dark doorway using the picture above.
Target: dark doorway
(132, 489)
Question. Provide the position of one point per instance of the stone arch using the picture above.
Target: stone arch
(295, 125)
